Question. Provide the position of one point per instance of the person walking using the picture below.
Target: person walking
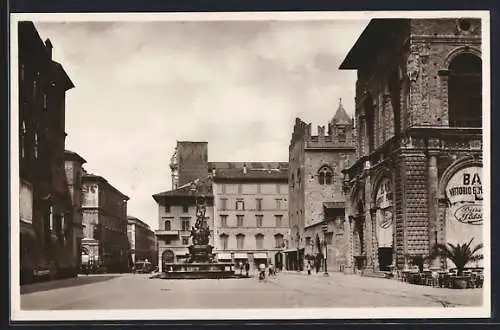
(270, 272)
(247, 268)
(262, 271)
(308, 267)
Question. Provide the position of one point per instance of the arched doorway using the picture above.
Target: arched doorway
(167, 257)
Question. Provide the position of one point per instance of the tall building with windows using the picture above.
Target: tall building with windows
(46, 208)
(142, 241)
(105, 241)
(316, 197)
(250, 211)
(247, 207)
(417, 179)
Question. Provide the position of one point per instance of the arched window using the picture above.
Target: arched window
(299, 178)
(325, 175)
(259, 241)
(240, 241)
(278, 240)
(465, 91)
(168, 225)
(223, 241)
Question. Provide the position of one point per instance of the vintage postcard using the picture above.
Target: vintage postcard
(305, 165)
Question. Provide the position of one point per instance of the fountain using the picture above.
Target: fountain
(200, 262)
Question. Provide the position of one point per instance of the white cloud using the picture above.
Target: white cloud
(238, 85)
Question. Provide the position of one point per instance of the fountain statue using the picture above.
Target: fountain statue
(200, 262)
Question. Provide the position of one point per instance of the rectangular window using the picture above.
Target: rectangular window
(223, 188)
(223, 221)
(278, 203)
(240, 189)
(278, 188)
(167, 209)
(258, 202)
(259, 188)
(258, 218)
(279, 220)
(240, 205)
(223, 204)
(185, 208)
(185, 240)
(185, 223)
(239, 219)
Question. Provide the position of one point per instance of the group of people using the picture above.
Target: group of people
(262, 269)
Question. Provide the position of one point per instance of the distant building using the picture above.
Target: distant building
(417, 179)
(176, 216)
(250, 212)
(105, 241)
(142, 241)
(74, 172)
(46, 208)
(316, 197)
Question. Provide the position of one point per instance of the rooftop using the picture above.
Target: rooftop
(70, 155)
(97, 178)
(205, 187)
(253, 171)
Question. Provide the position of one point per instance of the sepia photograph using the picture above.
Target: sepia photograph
(250, 165)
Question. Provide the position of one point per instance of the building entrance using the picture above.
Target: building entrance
(385, 258)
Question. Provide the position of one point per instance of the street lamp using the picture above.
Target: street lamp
(324, 227)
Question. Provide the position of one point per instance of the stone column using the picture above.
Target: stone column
(432, 186)
(373, 237)
(368, 225)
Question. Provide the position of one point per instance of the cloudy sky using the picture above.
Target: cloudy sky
(141, 86)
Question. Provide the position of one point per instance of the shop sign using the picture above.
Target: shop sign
(465, 194)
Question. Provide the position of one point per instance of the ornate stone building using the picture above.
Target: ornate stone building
(417, 178)
(315, 190)
(142, 241)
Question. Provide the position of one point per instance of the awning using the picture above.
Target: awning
(292, 250)
(240, 256)
(224, 256)
(181, 253)
(260, 255)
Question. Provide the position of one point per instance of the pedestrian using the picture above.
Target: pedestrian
(241, 268)
(308, 267)
(247, 268)
(270, 272)
(262, 271)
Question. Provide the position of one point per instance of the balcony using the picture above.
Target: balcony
(167, 233)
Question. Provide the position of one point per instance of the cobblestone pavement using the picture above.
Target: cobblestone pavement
(129, 291)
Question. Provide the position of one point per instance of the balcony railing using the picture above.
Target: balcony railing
(167, 232)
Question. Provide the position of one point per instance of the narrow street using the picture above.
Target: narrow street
(287, 290)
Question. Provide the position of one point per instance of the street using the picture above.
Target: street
(287, 290)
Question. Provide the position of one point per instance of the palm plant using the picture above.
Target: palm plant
(460, 254)
(419, 260)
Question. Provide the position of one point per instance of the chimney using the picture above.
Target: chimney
(49, 47)
(244, 168)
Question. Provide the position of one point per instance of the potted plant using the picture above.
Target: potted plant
(460, 255)
(419, 260)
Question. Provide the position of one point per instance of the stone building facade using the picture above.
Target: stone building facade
(315, 191)
(105, 242)
(46, 208)
(176, 216)
(74, 171)
(142, 241)
(250, 212)
(417, 177)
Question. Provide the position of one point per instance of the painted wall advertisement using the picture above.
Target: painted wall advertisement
(384, 214)
(464, 215)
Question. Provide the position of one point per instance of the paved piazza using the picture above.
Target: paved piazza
(129, 291)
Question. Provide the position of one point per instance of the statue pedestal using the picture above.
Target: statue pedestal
(200, 253)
